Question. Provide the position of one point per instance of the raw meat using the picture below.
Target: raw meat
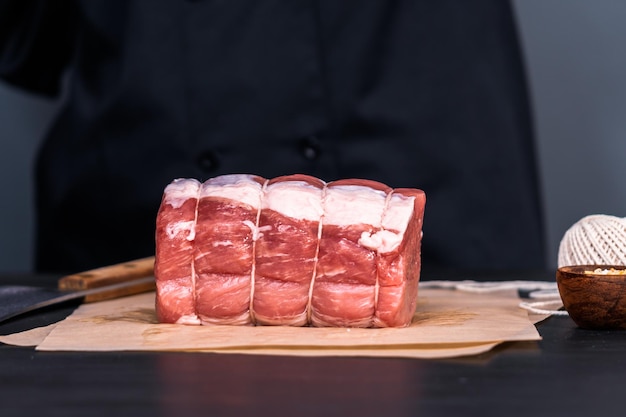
(344, 292)
(398, 262)
(175, 237)
(224, 251)
(286, 249)
(292, 250)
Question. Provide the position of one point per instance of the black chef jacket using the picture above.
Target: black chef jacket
(418, 93)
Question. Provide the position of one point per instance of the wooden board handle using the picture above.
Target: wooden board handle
(112, 274)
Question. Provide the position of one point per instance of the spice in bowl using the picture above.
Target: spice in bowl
(605, 271)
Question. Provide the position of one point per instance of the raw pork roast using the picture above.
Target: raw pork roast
(294, 250)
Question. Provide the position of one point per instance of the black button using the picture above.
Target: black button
(207, 161)
(310, 147)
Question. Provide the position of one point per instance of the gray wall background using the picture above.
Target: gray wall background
(576, 64)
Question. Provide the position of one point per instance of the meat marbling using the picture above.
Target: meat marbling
(293, 250)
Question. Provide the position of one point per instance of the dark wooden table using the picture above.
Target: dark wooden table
(571, 372)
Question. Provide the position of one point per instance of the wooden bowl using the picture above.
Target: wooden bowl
(594, 295)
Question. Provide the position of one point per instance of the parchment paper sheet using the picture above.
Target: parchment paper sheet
(447, 323)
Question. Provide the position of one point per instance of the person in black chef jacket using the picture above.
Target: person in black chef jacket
(416, 93)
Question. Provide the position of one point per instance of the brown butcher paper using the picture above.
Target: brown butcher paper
(447, 323)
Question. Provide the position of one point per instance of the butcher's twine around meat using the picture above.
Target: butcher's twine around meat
(596, 239)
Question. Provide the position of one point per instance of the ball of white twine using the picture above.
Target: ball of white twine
(597, 239)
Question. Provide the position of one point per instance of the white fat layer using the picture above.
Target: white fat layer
(383, 241)
(181, 190)
(176, 228)
(188, 319)
(256, 231)
(346, 205)
(398, 213)
(253, 228)
(238, 187)
(295, 199)
(394, 224)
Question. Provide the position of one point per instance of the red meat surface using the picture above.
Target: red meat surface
(293, 250)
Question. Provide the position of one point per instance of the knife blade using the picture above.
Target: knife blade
(98, 284)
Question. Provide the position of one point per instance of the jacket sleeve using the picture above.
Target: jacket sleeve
(37, 38)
